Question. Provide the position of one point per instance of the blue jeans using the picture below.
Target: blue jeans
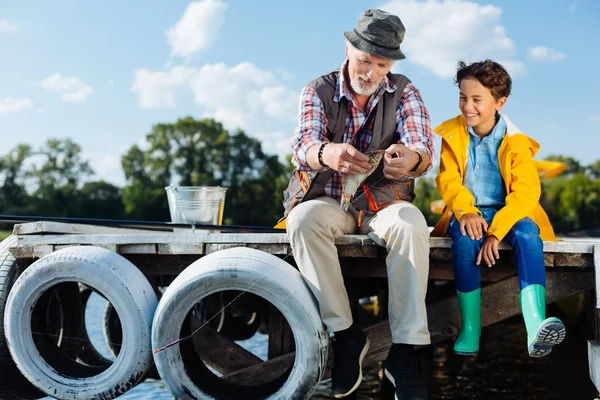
(524, 237)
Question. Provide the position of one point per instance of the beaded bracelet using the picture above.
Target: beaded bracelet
(321, 155)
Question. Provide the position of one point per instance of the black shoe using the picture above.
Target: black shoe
(347, 364)
(402, 369)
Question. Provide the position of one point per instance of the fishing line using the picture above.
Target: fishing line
(327, 224)
(147, 224)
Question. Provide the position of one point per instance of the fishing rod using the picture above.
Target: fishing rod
(139, 224)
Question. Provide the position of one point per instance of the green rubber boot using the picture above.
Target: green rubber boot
(542, 333)
(469, 304)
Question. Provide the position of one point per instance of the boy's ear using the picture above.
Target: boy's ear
(500, 103)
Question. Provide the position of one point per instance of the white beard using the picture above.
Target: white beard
(358, 89)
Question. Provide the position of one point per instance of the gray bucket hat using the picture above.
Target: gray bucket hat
(378, 32)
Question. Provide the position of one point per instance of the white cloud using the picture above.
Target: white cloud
(441, 33)
(278, 101)
(240, 96)
(107, 166)
(545, 54)
(198, 28)
(594, 117)
(71, 89)
(276, 143)
(7, 26)
(156, 89)
(8, 104)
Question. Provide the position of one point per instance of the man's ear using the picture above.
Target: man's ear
(347, 52)
(500, 103)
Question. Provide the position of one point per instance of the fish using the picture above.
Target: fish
(351, 182)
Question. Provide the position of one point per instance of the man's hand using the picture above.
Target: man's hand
(474, 225)
(489, 251)
(344, 158)
(396, 168)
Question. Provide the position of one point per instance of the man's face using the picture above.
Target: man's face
(366, 70)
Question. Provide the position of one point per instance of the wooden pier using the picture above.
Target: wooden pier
(161, 256)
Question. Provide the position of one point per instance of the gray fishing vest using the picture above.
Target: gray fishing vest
(380, 191)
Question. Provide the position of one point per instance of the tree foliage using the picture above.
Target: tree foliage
(54, 180)
(193, 152)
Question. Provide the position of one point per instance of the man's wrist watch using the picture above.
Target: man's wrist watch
(418, 164)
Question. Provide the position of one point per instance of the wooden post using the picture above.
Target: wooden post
(444, 316)
(281, 339)
(219, 352)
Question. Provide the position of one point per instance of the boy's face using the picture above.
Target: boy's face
(479, 106)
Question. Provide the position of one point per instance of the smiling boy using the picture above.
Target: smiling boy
(491, 189)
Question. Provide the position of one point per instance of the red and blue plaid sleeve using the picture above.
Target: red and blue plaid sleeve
(414, 125)
(311, 127)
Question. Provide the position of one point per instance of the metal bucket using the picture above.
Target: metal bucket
(196, 204)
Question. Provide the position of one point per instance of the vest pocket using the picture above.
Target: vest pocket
(299, 183)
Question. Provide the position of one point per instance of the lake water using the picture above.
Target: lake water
(501, 371)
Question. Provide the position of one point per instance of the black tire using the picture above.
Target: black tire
(13, 385)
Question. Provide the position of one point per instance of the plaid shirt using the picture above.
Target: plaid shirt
(482, 175)
(413, 124)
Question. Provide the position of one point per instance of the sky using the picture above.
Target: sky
(103, 73)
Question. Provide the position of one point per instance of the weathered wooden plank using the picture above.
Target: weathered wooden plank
(118, 239)
(41, 251)
(566, 246)
(137, 248)
(443, 271)
(220, 352)
(152, 265)
(262, 373)
(272, 248)
(572, 260)
(65, 246)
(180, 248)
(31, 228)
(367, 250)
(108, 246)
(281, 339)
(213, 247)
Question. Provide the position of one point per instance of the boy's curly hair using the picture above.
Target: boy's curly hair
(489, 73)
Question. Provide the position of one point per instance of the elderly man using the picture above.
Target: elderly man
(362, 108)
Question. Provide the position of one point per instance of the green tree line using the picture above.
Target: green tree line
(55, 180)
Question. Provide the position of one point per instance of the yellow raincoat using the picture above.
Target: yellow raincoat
(515, 158)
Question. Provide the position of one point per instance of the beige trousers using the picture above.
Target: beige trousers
(312, 227)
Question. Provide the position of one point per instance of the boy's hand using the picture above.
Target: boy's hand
(474, 225)
(489, 251)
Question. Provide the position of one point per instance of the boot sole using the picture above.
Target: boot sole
(549, 335)
(363, 353)
(466, 353)
(392, 380)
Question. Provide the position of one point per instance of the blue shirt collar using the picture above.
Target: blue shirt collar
(498, 131)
